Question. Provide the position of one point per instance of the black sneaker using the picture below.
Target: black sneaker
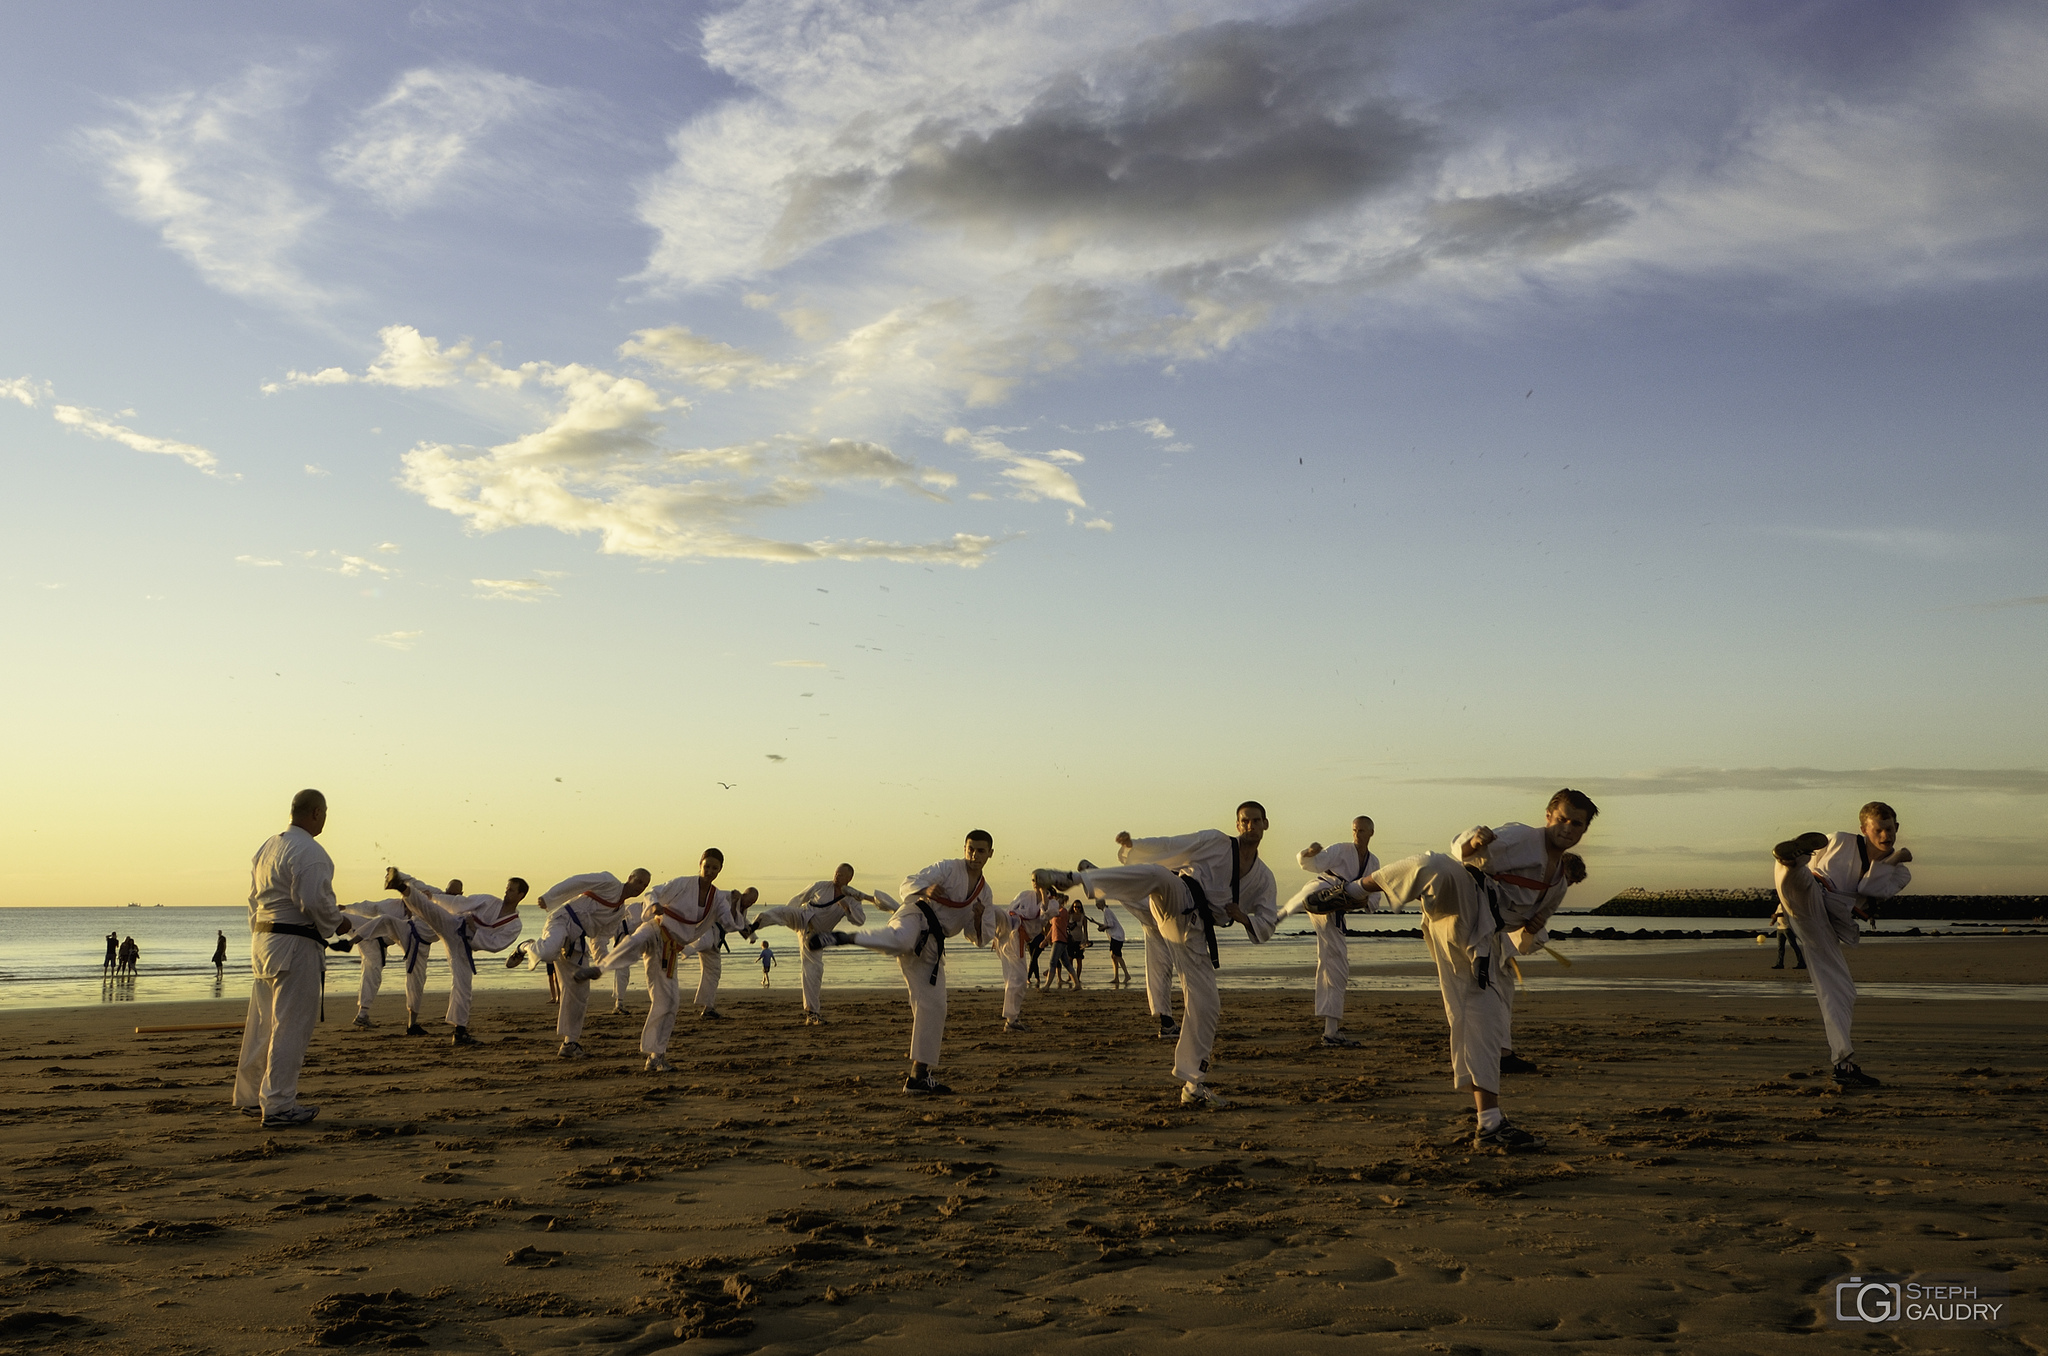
(1508, 1139)
(462, 1037)
(1849, 1076)
(929, 1083)
(1340, 1042)
(1169, 1033)
(1510, 1062)
(415, 1029)
(711, 1015)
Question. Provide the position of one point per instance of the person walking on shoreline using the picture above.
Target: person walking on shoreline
(113, 951)
(291, 912)
(220, 950)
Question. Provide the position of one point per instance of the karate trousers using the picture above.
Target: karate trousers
(1184, 942)
(1451, 902)
(1015, 970)
(925, 985)
(1823, 938)
(461, 970)
(810, 960)
(374, 958)
(284, 1001)
(622, 979)
(710, 965)
(566, 945)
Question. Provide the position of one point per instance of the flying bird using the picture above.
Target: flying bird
(728, 785)
(777, 758)
(1531, 391)
(558, 779)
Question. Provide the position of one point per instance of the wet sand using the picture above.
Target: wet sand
(780, 1193)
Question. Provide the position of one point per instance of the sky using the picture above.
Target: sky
(574, 434)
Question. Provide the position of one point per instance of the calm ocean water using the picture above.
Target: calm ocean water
(51, 957)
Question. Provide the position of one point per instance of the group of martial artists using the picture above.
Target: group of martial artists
(1482, 904)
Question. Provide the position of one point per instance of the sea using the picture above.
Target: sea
(52, 958)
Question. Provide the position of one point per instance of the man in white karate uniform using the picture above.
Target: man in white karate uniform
(1340, 870)
(465, 925)
(680, 916)
(586, 910)
(709, 943)
(1532, 866)
(812, 915)
(380, 924)
(1469, 946)
(630, 918)
(291, 912)
(1196, 884)
(1825, 895)
(1022, 921)
(938, 902)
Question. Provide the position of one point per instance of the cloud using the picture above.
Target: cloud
(1099, 525)
(2040, 600)
(352, 567)
(94, 424)
(1883, 782)
(199, 166)
(317, 472)
(26, 390)
(512, 590)
(1919, 543)
(599, 462)
(397, 640)
(427, 134)
(705, 362)
(1031, 477)
(970, 196)
(258, 561)
(799, 664)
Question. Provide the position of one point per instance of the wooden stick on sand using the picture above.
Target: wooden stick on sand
(204, 1026)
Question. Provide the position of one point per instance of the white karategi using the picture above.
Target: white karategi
(1526, 891)
(998, 932)
(586, 911)
(1022, 921)
(812, 916)
(680, 916)
(1336, 864)
(1820, 894)
(949, 892)
(465, 925)
(630, 917)
(1158, 871)
(386, 920)
(291, 884)
(1457, 923)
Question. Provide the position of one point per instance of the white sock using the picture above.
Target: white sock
(1331, 1025)
(1491, 1119)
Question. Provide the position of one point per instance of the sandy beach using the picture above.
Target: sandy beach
(780, 1193)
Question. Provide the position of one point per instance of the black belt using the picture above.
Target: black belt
(932, 933)
(1208, 917)
(310, 933)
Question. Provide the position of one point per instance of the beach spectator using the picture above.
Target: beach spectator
(1059, 922)
(113, 950)
(1781, 919)
(1113, 929)
(130, 955)
(220, 949)
(767, 962)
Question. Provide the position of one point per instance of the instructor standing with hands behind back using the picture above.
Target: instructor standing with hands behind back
(291, 911)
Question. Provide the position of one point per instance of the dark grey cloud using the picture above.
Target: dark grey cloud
(1236, 126)
(1884, 782)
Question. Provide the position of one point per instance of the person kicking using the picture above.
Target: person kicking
(585, 911)
(812, 916)
(1026, 912)
(385, 922)
(1338, 869)
(681, 915)
(1196, 884)
(1826, 882)
(465, 924)
(1532, 867)
(938, 902)
(1457, 899)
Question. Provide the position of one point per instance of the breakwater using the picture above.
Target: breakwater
(1759, 904)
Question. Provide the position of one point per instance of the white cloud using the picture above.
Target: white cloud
(599, 463)
(392, 548)
(397, 640)
(317, 472)
(512, 590)
(708, 363)
(967, 196)
(353, 566)
(800, 664)
(199, 165)
(1031, 477)
(428, 133)
(92, 423)
(1920, 543)
(258, 561)
(1099, 525)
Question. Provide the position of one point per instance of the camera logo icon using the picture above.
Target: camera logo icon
(1878, 1299)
